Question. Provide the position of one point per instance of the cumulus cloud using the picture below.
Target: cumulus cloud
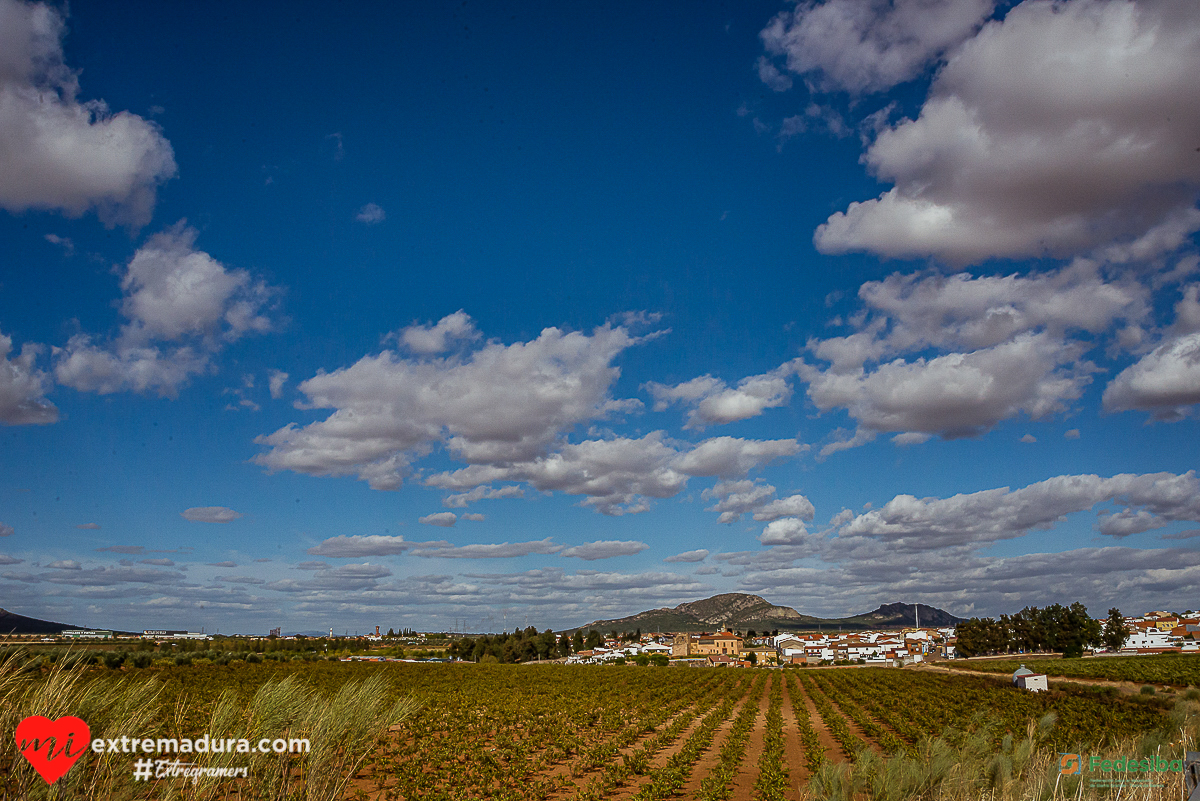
(913, 524)
(1015, 346)
(481, 493)
(210, 514)
(1165, 382)
(158, 562)
(444, 519)
(497, 404)
(604, 549)
(23, 387)
(5, 559)
(713, 402)
(240, 579)
(689, 556)
(346, 547)
(6, 530)
(503, 550)
(1065, 127)
(869, 46)
(57, 152)
(371, 214)
(275, 381)
(65, 564)
(784, 531)
(426, 340)
(732, 456)
(182, 306)
(473, 516)
(222, 564)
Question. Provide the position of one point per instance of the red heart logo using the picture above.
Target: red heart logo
(49, 745)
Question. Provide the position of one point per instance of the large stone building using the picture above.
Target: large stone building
(725, 643)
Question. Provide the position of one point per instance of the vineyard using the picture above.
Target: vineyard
(1175, 669)
(560, 733)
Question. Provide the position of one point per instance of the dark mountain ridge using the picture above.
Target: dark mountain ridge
(744, 612)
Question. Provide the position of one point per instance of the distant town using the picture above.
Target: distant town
(1151, 633)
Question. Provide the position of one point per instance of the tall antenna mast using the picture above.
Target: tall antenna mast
(917, 614)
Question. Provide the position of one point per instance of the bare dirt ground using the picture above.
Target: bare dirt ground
(708, 760)
(793, 750)
(833, 751)
(1126, 687)
(743, 783)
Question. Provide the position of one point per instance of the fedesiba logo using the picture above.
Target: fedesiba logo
(1069, 764)
(1072, 764)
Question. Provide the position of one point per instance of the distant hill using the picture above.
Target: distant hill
(751, 612)
(12, 623)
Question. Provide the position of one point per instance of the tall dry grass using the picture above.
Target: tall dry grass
(342, 730)
(968, 766)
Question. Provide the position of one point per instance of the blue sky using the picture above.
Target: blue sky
(428, 314)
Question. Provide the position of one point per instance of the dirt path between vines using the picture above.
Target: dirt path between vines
(793, 750)
(743, 782)
(578, 781)
(1125, 687)
(709, 759)
(833, 751)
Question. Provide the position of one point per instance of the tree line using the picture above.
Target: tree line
(1068, 629)
(525, 645)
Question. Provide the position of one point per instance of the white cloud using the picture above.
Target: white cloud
(1072, 433)
(688, 556)
(731, 456)
(480, 493)
(240, 579)
(784, 531)
(371, 213)
(866, 46)
(909, 523)
(210, 514)
(715, 403)
(23, 387)
(1028, 438)
(504, 550)
(57, 152)
(347, 547)
(444, 519)
(1165, 382)
(65, 564)
(159, 562)
(791, 506)
(1016, 345)
(473, 516)
(737, 498)
(182, 306)
(275, 381)
(769, 74)
(6, 530)
(605, 549)
(5, 559)
(498, 404)
(1063, 128)
(426, 340)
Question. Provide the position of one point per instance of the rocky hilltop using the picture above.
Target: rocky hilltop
(745, 612)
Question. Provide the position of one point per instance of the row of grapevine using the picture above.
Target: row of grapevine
(836, 684)
(772, 780)
(718, 785)
(836, 724)
(1180, 670)
(814, 753)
